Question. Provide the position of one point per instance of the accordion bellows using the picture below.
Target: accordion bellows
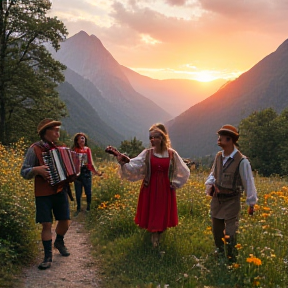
(63, 163)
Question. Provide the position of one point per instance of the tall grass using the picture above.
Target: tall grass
(186, 257)
(17, 221)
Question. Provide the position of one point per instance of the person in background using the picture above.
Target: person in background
(87, 168)
(48, 198)
(162, 171)
(231, 174)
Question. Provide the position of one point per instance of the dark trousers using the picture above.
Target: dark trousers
(83, 180)
(220, 228)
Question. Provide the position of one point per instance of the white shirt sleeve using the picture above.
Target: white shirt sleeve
(135, 169)
(248, 182)
(181, 173)
(210, 181)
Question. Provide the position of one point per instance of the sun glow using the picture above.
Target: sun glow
(204, 76)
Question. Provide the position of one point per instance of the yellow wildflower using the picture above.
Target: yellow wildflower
(256, 283)
(256, 261)
(266, 208)
(238, 246)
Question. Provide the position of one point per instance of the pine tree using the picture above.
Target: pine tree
(28, 73)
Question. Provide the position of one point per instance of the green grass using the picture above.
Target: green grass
(127, 259)
(186, 257)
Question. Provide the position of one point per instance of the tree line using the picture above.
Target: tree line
(264, 140)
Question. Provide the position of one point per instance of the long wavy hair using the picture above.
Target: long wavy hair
(161, 129)
(75, 140)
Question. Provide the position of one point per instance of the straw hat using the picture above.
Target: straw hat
(229, 129)
(47, 123)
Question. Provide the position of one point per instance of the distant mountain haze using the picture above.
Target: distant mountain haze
(83, 118)
(193, 133)
(128, 112)
(173, 95)
(107, 112)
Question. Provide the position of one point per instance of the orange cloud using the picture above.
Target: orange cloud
(176, 2)
(167, 34)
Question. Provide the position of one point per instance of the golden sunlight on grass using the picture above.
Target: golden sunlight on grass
(185, 257)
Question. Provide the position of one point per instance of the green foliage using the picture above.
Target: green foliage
(132, 148)
(99, 153)
(282, 151)
(18, 232)
(263, 139)
(28, 73)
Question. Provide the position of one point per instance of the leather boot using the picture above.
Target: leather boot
(47, 255)
(59, 244)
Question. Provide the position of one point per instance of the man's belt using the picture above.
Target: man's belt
(227, 195)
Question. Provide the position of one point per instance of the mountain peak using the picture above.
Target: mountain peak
(83, 37)
(81, 33)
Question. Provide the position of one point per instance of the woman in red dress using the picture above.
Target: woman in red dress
(162, 171)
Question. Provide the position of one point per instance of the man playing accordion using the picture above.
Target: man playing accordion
(48, 198)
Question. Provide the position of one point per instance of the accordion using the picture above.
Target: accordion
(63, 164)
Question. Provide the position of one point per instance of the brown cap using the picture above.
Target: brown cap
(229, 129)
(47, 123)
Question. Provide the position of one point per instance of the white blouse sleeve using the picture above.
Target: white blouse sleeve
(181, 173)
(210, 181)
(248, 182)
(135, 169)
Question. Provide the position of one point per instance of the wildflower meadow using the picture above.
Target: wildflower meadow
(124, 253)
(185, 257)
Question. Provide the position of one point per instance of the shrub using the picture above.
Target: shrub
(17, 220)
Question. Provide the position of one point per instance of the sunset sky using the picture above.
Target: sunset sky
(194, 39)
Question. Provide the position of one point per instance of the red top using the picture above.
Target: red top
(86, 158)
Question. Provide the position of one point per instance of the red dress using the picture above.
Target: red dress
(157, 207)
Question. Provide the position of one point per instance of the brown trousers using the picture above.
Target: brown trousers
(225, 218)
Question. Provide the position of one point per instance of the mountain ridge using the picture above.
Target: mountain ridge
(82, 118)
(86, 56)
(264, 85)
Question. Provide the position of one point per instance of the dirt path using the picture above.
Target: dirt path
(77, 270)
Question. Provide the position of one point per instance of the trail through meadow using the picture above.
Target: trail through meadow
(77, 270)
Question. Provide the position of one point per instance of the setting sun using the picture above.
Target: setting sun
(204, 76)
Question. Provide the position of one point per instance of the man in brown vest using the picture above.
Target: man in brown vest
(231, 174)
(48, 198)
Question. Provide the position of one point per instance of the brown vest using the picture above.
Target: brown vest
(148, 166)
(227, 177)
(42, 187)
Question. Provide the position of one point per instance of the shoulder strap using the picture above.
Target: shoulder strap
(147, 166)
(171, 165)
(237, 171)
(170, 153)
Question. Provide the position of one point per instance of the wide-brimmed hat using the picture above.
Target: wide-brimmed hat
(229, 129)
(47, 123)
